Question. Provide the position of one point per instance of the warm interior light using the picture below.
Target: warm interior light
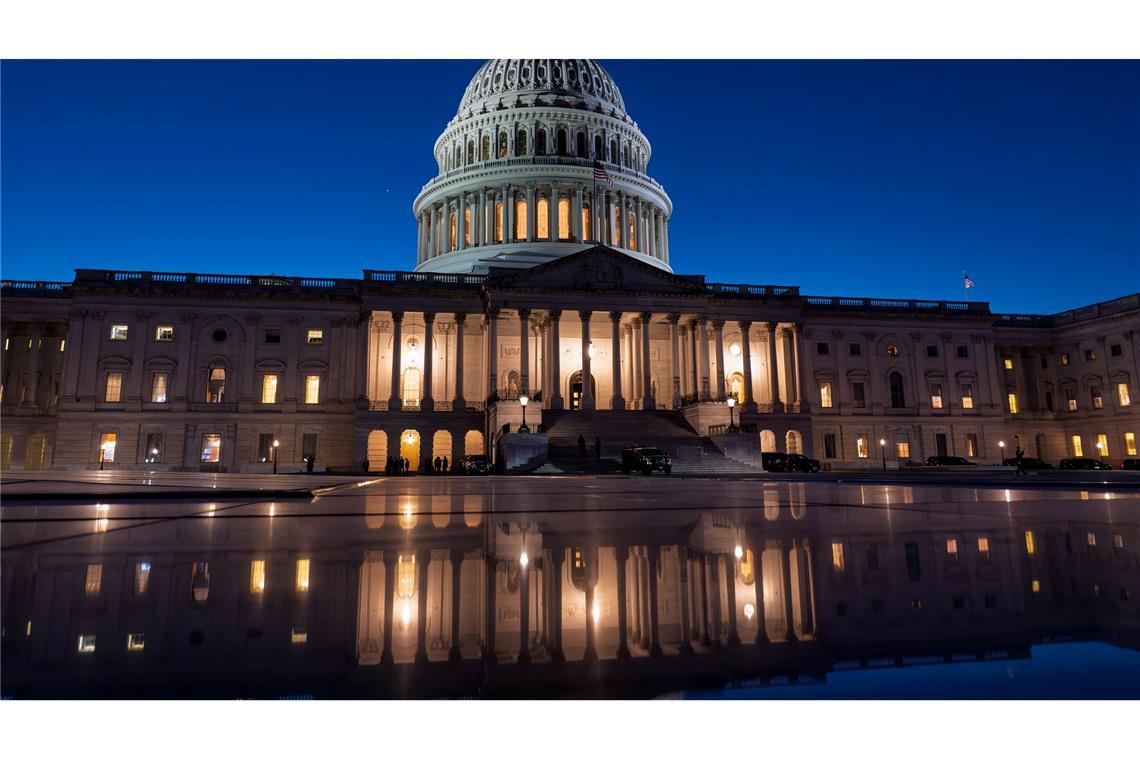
(524, 560)
(749, 610)
(597, 612)
(406, 613)
(738, 551)
(590, 349)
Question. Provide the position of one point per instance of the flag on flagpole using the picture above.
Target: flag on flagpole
(967, 283)
(601, 176)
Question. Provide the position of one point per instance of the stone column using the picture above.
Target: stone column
(364, 334)
(702, 569)
(432, 235)
(576, 221)
(643, 611)
(423, 560)
(746, 356)
(555, 361)
(712, 570)
(419, 239)
(718, 338)
(458, 404)
(636, 602)
(553, 209)
(676, 359)
(524, 351)
(786, 571)
(615, 322)
(427, 402)
(389, 606)
(730, 588)
(648, 401)
(524, 615)
(654, 639)
(492, 356)
(34, 367)
(455, 653)
(460, 222)
(509, 215)
(694, 364)
(703, 357)
(797, 362)
(773, 368)
(686, 646)
(683, 335)
(622, 556)
(491, 609)
(531, 213)
(394, 400)
(636, 374)
(587, 391)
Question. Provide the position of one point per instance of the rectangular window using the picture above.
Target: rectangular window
(114, 390)
(829, 446)
(1116, 349)
(823, 349)
(158, 385)
(302, 575)
(902, 448)
(1049, 400)
(1036, 586)
(983, 546)
(164, 333)
(265, 447)
(216, 385)
(858, 398)
(1090, 538)
(1064, 359)
(94, 581)
(142, 578)
(153, 452)
(1090, 355)
(298, 635)
(136, 642)
(269, 389)
(211, 448)
(107, 443)
(1012, 397)
(118, 332)
(273, 335)
(1007, 363)
(86, 643)
(972, 445)
(1097, 401)
(1078, 450)
(312, 389)
(952, 548)
(1030, 542)
(309, 446)
(1118, 540)
(855, 349)
(837, 556)
(1071, 399)
(257, 576)
(1130, 444)
(1101, 444)
(936, 395)
(825, 395)
(967, 396)
(315, 337)
(932, 351)
(963, 352)
(1122, 394)
(862, 447)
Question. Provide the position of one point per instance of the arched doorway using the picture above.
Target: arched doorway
(410, 449)
(767, 441)
(576, 389)
(794, 442)
(473, 442)
(377, 450)
(736, 387)
(441, 447)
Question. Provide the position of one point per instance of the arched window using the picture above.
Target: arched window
(470, 151)
(613, 157)
(502, 145)
(216, 385)
(540, 143)
(793, 442)
(542, 223)
(598, 147)
(625, 156)
(563, 219)
(615, 225)
(411, 392)
(736, 387)
(587, 231)
(898, 397)
(632, 237)
(467, 226)
(520, 143)
(581, 151)
(498, 221)
(486, 147)
(458, 156)
(520, 219)
(451, 216)
(562, 147)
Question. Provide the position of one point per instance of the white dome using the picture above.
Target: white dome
(568, 83)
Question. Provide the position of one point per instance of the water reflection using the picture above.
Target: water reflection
(353, 596)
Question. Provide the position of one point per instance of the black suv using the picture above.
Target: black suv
(948, 462)
(775, 462)
(646, 459)
(1080, 463)
(1028, 463)
(476, 464)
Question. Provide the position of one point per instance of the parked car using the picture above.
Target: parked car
(1130, 464)
(948, 462)
(476, 464)
(646, 459)
(1082, 463)
(776, 462)
(1029, 463)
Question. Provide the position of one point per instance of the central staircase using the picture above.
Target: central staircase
(691, 453)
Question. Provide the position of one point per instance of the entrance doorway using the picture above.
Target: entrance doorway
(576, 389)
(410, 449)
(940, 444)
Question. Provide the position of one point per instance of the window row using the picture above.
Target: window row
(215, 387)
(823, 348)
(558, 143)
(211, 447)
(897, 394)
(27, 343)
(165, 334)
(1100, 445)
(615, 229)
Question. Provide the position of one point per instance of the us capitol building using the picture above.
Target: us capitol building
(535, 277)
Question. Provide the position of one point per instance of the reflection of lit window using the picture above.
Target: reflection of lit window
(952, 548)
(257, 576)
(86, 643)
(406, 576)
(837, 556)
(136, 642)
(299, 636)
(408, 516)
(142, 578)
(302, 575)
(1091, 539)
(983, 546)
(94, 581)
(200, 581)
(1030, 542)
(747, 568)
(1036, 586)
(578, 569)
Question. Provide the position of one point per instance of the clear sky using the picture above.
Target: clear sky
(846, 178)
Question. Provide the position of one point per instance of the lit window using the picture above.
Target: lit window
(216, 385)
(1102, 444)
(892, 350)
(302, 575)
(298, 635)
(94, 580)
(1118, 540)
(211, 448)
(142, 578)
(862, 447)
(114, 390)
(542, 222)
(952, 548)
(902, 449)
(86, 643)
(1008, 363)
(1130, 444)
(1071, 399)
(967, 396)
(269, 389)
(520, 219)
(936, 395)
(1090, 355)
(1078, 451)
(825, 395)
(136, 642)
(62, 343)
(1012, 403)
(1036, 586)
(563, 219)
(118, 332)
(837, 556)
(200, 581)
(587, 233)
(107, 443)
(158, 385)
(1064, 359)
(1091, 538)
(971, 445)
(1097, 400)
(257, 576)
(983, 546)
(1030, 543)
(1122, 394)
(164, 333)
(315, 337)
(312, 388)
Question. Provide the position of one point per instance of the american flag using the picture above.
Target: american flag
(601, 176)
(967, 282)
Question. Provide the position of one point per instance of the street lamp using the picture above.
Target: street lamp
(731, 423)
(883, 446)
(276, 443)
(523, 399)
(1100, 449)
(1001, 449)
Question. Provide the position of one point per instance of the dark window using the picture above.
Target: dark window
(932, 352)
(841, 609)
(1049, 400)
(940, 444)
(829, 446)
(309, 446)
(913, 561)
(1089, 354)
(857, 396)
(855, 349)
(153, 451)
(273, 335)
(265, 447)
(1044, 362)
(219, 335)
(1116, 349)
(898, 397)
(873, 557)
(823, 349)
(963, 352)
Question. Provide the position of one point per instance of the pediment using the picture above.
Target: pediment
(597, 269)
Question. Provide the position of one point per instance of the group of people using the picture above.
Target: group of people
(401, 466)
(582, 447)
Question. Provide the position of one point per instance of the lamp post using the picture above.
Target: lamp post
(1001, 450)
(523, 400)
(276, 443)
(883, 446)
(1100, 450)
(731, 423)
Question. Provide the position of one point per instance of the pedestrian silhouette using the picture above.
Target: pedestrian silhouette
(436, 463)
(597, 448)
(445, 464)
(581, 447)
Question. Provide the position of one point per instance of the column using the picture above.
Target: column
(531, 213)
(460, 222)
(427, 403)
(636, 599)
(389, 606)
(615, 322)
(786, 571)
(34, 365)
(508, 214)
(587, 391)
(643, 611)
(746, 356)
(364, 332)
(491, 609)
(773, 368)
(635, 356)
(492, 356)
(557, 557)
(394, 402)
(622, 555)
(524, 351)
(683, 335)
(552, 225)
(455, 653)
(676, 359)
(577, 220)
(712, 569)
(706, 626)
(654, 639)
(730, 588)
(694, 363)
(758, 573)
(423, 559)
(648, 401)
(458, 404)
(718, 338)
(686, 646)
(432, 235)
(419, 239)
(804, 564)
(524, 615)
(797, 362)
(555, 361)
(703, 357)
(590, 555)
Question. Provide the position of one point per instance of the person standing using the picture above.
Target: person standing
(597, 448)
(581, 447)
(444, 466)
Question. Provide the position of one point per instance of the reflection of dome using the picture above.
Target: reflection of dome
(572, 83)
(516, 184)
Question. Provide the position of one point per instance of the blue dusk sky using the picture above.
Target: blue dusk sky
(879, 178)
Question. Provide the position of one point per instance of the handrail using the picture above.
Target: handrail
(272, 281)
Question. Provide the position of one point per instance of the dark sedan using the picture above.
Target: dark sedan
(1081, 463)
(948, 462)
(476, 464)
(646, 459)
(776, 462)
(1029, 463)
